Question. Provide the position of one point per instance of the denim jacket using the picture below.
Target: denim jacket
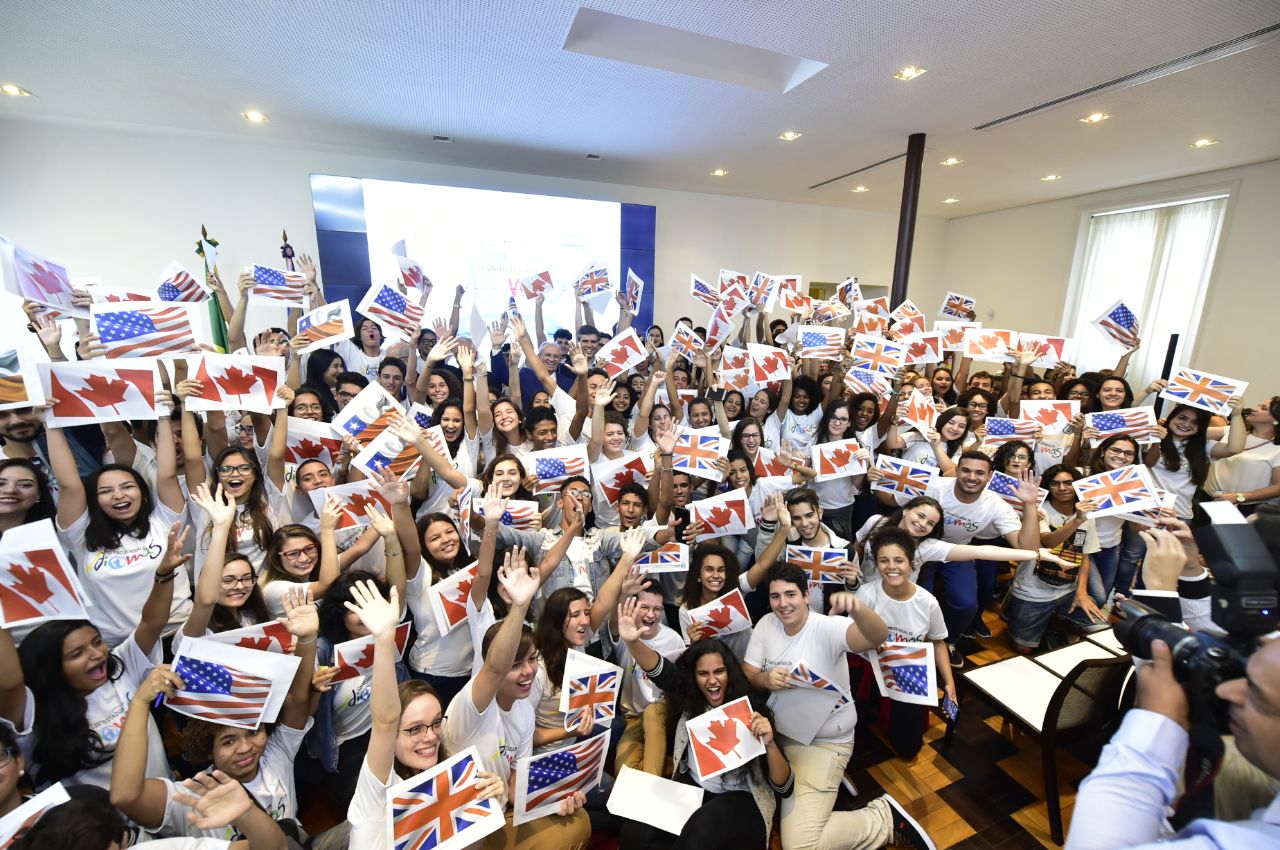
(322, 740)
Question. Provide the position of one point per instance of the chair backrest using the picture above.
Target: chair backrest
(1088, 695)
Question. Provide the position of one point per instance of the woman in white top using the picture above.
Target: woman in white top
(836, 496)
(1180, 461)
(65, 693)
(940, 448)
(1253, 476)
(713, 572)
(406, 720)
(297, 555)
(227, 592)
(363, 352)
(115, 530)
(799, 411)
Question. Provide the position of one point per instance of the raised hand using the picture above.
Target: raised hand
(395, 491)
(578, 360)
(300, 616)
(628, 622)
(604, 395)
(520, 580)
(1028, 491)
(161, 680)
(762, 729)
(380, 522)
(216, 800)
(633, 542)
(218, 505)
(440, 352)
(173, 557)
(633, 581)
(308, 267)
(380, 616)
(189, 387)
(494, 505)
(331, 515)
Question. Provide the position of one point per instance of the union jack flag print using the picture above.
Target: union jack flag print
(1203, 390)
(823, 565)
(957, 306)
(761, 289)
(821, 343)
(697, 454)
(594, 281)
(1001, 430)
(152, 331)
(543, 781)
(219, 694)
(442, 804)
(1137, 422)
(276, 286)
(905, 672)
(596, 692)
(667, 558)
(877, 355)
(903, 477)
(1123, 490)
(177, 284)
(802, 675)
(1119, 323)
(685, 342)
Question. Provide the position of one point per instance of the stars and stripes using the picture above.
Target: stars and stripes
(701, 290)
(865, 381)
(391, 308)
(1202, 390)
(553, 466)
(519, 515)
(875, 354)
(218, 693)
(177, 284)
(1127, 488)
(145, 331)
(1001, 430)
(1134, 421)
(442, 806)
(562, 772)
(1006, 487)
(821, 343)
(822, 564)
(1119, 323)
(905, 668)
(275, 285)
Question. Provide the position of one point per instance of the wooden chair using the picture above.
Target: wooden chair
(1053, 710)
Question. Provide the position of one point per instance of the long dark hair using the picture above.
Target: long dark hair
(735, 441)
(548, 632)
(1100, 453)
(946, 416)
(331, 608)
(686, 698)
(438, 414)
(324, 395)
(255, 504)
(486, 477)
(44, 507)
(500, 443)
(440, 569)
(104, 532)
(64, 742)
(894, 520)
(949, 397)
(693, 580)
(273, 568)
(822, 435)
(1195, 449)
(224, 619)
(318, 363)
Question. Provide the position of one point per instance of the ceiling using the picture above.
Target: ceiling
(382, 77)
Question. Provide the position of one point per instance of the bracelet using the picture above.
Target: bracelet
(397, 552)
(664, 454)
(305, 642)
(167, 577)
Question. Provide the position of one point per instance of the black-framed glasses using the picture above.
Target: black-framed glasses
(297, 554)
(239, 468)
(236, 581)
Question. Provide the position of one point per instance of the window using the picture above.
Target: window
(1157, 259)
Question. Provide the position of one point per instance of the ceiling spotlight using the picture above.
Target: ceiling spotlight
(789, 135)
(1094, 118)
(1049, 178)
(859, 189)
(253, 116)
(951, 200)
(951, 160)
(594, 156)
(719, 172)
(445, 140)
(1203, 143)
(910, 72)
(14, 90)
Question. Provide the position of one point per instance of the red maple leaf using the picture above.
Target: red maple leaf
(918, 349)
(773, 363)
(455, 607)
(988, 341)
(619, 355)
(47, 279)
(31, 583)
(737, 362)
(359, 501)
(351, 669)
(102, 391)
(954, 336)
(724, 736)
(841, 457)
(719, 517)
(306, 449)
(235, 382)
(263, 643)
(720, 618)
(1047, 415)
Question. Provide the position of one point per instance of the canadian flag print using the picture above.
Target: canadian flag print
(723, 615)
(93, 392)
(721, 739)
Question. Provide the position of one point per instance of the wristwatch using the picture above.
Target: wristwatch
(1239, 498)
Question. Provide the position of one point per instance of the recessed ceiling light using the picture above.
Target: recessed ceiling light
(719, 172)
(951, 160)
(14, 90)
(951, 200)
(1049, 178)
(1203, 143)
(447, 140)
(859, 189)
(789, 135)
(594, 156)
(253, 116)
(910, 72)
(1094, 118)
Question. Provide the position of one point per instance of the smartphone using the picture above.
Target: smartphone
(950, 708)
(716, 393)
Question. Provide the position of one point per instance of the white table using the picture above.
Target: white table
(1019, 685)
(1107, 639)
(1063, 661)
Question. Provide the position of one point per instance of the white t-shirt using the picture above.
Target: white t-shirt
(800, 429)
(638, 691)
(367, 812)
(358, 361)
(821, 642)
(478, 623)
(447, 655)
(242, 541)
(918, 618)
(1249, 470)
(351, 715)
(105, 709)
(440, 490)
(927, 549)
(119, 580)
(273, 787)
(1178, 480)
(963, 521)
(501, 737)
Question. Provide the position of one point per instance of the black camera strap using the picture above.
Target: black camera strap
(1204, 757)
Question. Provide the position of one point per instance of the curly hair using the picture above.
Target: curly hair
(692, 595)
(687, 699)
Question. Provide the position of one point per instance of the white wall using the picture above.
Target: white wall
(122, 203)
(1018, 262)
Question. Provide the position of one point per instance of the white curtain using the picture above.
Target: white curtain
(1158, 262)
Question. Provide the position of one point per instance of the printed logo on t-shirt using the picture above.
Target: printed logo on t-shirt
(117, 559)
(964, 523)
(108, 728)
(361, 694)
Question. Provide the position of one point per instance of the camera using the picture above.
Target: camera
(1244, 607)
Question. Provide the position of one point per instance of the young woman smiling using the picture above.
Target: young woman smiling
(24, 494)
(227, 593)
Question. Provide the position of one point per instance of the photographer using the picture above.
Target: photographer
(1124, 801)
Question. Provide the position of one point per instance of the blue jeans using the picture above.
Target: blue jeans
(1132, 550)
(956, 584)
(1102, 573)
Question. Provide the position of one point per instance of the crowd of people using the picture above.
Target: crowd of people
(196, 524)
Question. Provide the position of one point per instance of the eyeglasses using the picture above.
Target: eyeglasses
(239, 469)
(6, 758)
(580, 495)
(419, 730)
(313, 407)
(1078, 394)
(977, 405)
(236, 581)
(298, 554)
(1121, 452)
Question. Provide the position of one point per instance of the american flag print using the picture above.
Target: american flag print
(701, 290)
(594, 281)
(1134, 421)
(903, 477)
(543, 781)
(441, 804)
(1006, 487)
(553, 466)
(1001, 430)
(1122, 490)
(520, 515)
(877, 355)
(904, 671)
(823, 565)
(1203, 390)
(325, 323)
(821, 343)
(866, 381)
(957, 306)
(219, 694)
(597, 692)
(393, 311)
(283, 287)
(1119, 323)
(177, 284)
(145, 331)
(697, 454)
